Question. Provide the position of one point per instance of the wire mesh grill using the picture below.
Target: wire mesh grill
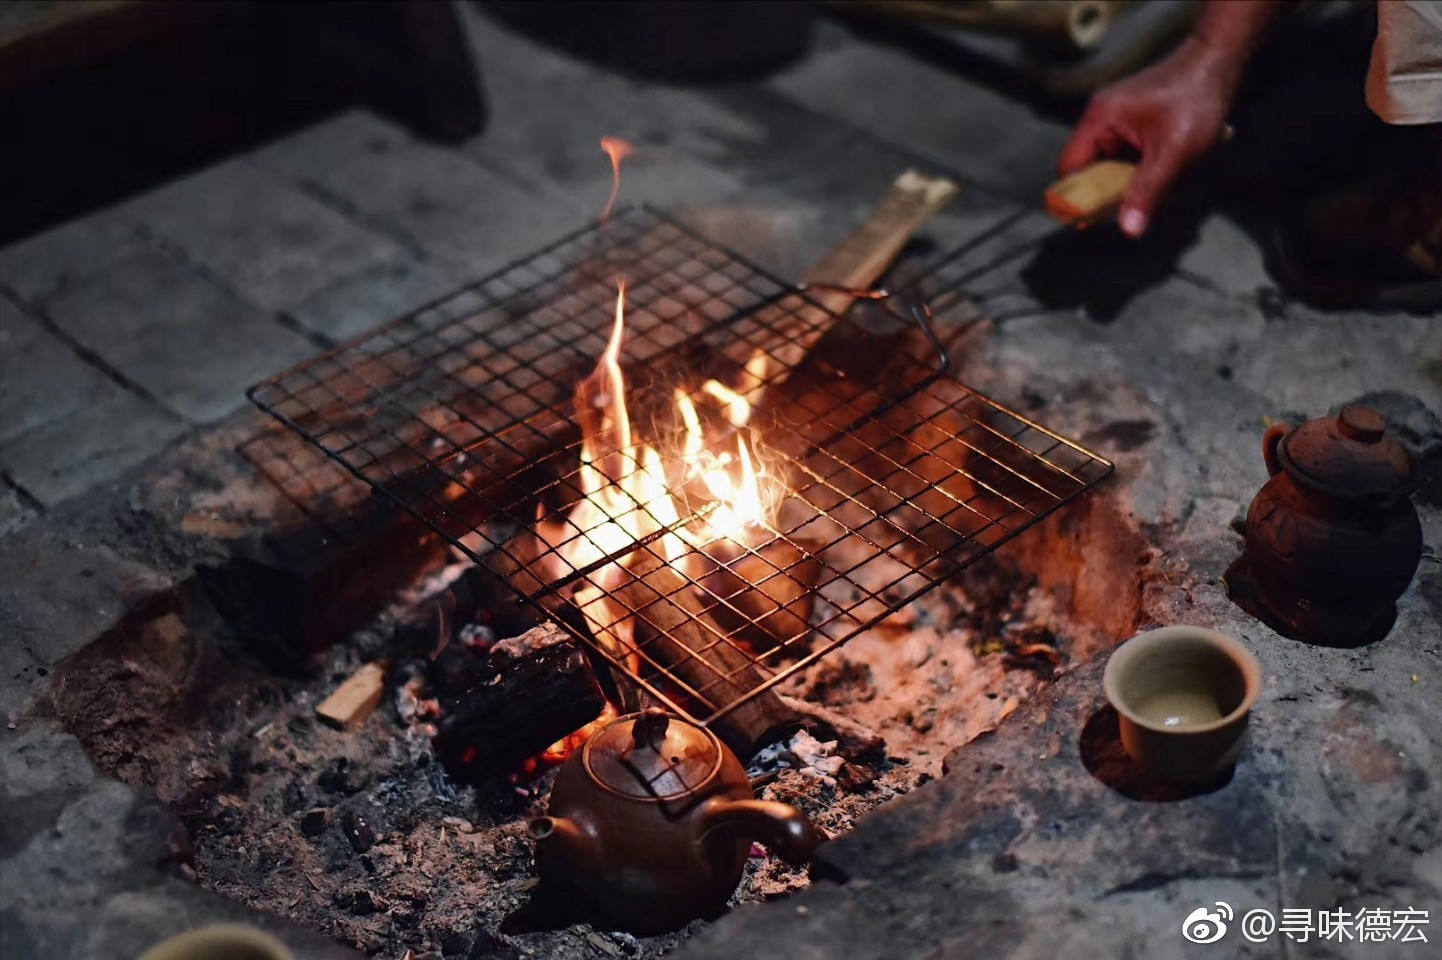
(883, 476)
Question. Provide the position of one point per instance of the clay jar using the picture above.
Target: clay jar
(650, 824)
(1332, 539)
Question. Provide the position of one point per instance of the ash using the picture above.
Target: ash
(363, 836)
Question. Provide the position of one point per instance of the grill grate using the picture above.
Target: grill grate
(887, 475)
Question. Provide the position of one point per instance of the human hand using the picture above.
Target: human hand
(1171, 114)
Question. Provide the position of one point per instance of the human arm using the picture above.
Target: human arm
(1172, 112)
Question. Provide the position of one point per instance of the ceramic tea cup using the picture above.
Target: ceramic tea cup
(222, 941)
(1183, 695)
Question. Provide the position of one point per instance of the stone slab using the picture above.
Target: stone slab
(1226, 258)
(558, 152)
(1041, 838)
(90, 866)
(439, 204)
(981, 133)
(41, 378)
(38, 266)
(190, 343)
(361, 302)
(273, 244)
(16, 509)
(59, 591)
(87, 447)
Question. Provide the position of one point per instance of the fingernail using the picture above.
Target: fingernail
(1133, 222)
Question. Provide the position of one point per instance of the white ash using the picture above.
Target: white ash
(434, 585)
(477, 636)
(804, 754)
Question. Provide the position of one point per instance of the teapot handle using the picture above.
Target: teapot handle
(779, 826)
(1270, 440)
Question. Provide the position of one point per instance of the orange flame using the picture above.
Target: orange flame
(573, 741)
(625, 492)
(618, 150)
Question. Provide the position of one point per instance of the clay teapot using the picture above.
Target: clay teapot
(650, 824)
(1332, 539)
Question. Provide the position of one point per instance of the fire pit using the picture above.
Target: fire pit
(708, 479)
(788, 490)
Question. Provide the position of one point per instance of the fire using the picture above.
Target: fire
(625, 492)
(618, 150)
(573, 741)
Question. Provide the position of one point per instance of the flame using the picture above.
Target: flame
(625, 493)
(618, 150)
(574, 740)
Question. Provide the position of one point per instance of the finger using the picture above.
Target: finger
(1154, 179)
(1092, 138)
(1079, 151)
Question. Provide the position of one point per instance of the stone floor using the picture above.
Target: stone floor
(130, 330)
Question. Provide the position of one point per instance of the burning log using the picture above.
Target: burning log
(542, 690)
(606, 623)
(764, 597)
(674, 633)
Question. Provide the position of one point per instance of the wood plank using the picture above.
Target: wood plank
(355, 700)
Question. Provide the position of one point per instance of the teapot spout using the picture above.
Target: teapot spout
(558, 834)
(781, 827)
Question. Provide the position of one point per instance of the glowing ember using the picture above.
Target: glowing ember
(562, 748)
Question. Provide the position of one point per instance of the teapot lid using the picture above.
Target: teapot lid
(652, 756)
(1351, 455)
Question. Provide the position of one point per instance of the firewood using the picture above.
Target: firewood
(355, 700)
(675, 634)
(854, 264)
(541, 689)
(520, 562)
(603, 620)
(764, 596)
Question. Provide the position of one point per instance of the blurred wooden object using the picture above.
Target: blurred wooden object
(1079, 24)
(1091, 194)
(1036, 46)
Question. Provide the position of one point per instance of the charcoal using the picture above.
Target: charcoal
(338, 777)
(537, 697)
(313, 823)
(857, 777)
(455, 671)
(358, 902)
(476, 944)
(296, 797)
(477, 596)
(358, 831)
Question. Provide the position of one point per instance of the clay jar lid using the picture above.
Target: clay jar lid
(652, 756)
(1350, 455)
